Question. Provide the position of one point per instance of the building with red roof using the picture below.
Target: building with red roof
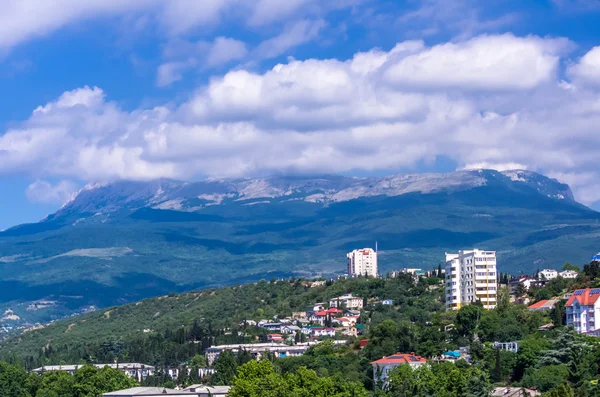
(543, 305)
(275, 338)
(583, 311)
(383, 366)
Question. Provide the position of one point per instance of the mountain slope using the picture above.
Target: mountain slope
(120, 242)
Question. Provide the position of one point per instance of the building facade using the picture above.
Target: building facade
(133, 370)
(362, 262)
(583, 311)
(471, 276)
(547, 274)
(383, 366)
(351, 302)
(568, 274)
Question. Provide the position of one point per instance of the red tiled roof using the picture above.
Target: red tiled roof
(400, 358)
(333, 310)
(321, 313)
(584, 296)
(363, 343)
(538, 305)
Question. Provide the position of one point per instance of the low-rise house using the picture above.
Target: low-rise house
(583, 311)
(318, 317)
(317, 332)
(568, 274)
(298, 315)
(508, 346)
(349, 301)
(547, 274)
(275, 338)
(543, 305)
(315, 308)
(383, 366)
(271, 326)
(290, 329)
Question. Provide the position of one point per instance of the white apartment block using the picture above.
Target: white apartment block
(547, 274)
(362, 262)
(583, 311)
(568, 274)
(351, 302)
(471, 276)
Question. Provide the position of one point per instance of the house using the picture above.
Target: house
(290, 329)
(363, 343)
(547, 274)
(318, 317)
(543, 305)
(507, 346)
(275, 338)
(334, 311)
(298, 315)
(568, 274)
(383, 366)
(314, 308)
(345, 321)
(248, 322)
(351, 302)
(192, 391)
(583, 311)
(271, 326)
(527, 282)
(387, 302)
(317, 332)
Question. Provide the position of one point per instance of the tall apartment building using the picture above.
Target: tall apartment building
(470, 277)
(362, 262)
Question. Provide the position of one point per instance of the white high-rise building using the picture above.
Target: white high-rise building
(362, 262)
(471, 276)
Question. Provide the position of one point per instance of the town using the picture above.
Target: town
(468, 278)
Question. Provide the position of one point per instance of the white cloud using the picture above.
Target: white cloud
(588, 67)
(225, 50)
(294, 35)
(486, 62)
(331, 116)
(44, 192)
(170, 72)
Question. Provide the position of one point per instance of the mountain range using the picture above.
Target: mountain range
(119, 242)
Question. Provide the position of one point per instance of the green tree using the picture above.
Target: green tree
(13, 381)
(225, 367)
(467, 320)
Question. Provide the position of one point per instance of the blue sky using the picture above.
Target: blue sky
(103, 90)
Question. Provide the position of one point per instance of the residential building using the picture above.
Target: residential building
(317, 332)
(568, 274)
(257, 349)
(508, 346)
(275, 338)
(526, 281)
(362, 262)
(351, 302)
(547, 274)
(583, 311)
(192, 391)
(387, 302)
(383, 366)
(543, 305)
(133, 370)
(318, 317)
(290, 329)
(471, 276)
(271, 326)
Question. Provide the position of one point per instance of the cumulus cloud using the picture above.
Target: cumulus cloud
(298, 33)
(47, 193)
(484, 62)
(588, 67)
(333, 116)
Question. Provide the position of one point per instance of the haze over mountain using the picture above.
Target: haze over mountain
(118, 242)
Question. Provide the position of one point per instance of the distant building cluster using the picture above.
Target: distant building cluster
(471, 276)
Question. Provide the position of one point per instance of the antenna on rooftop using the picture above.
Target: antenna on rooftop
(375, 246)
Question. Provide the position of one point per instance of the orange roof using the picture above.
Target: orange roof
(399, 358)
(333, 310)
(321, 313)
(538, 305)
(587, 296)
